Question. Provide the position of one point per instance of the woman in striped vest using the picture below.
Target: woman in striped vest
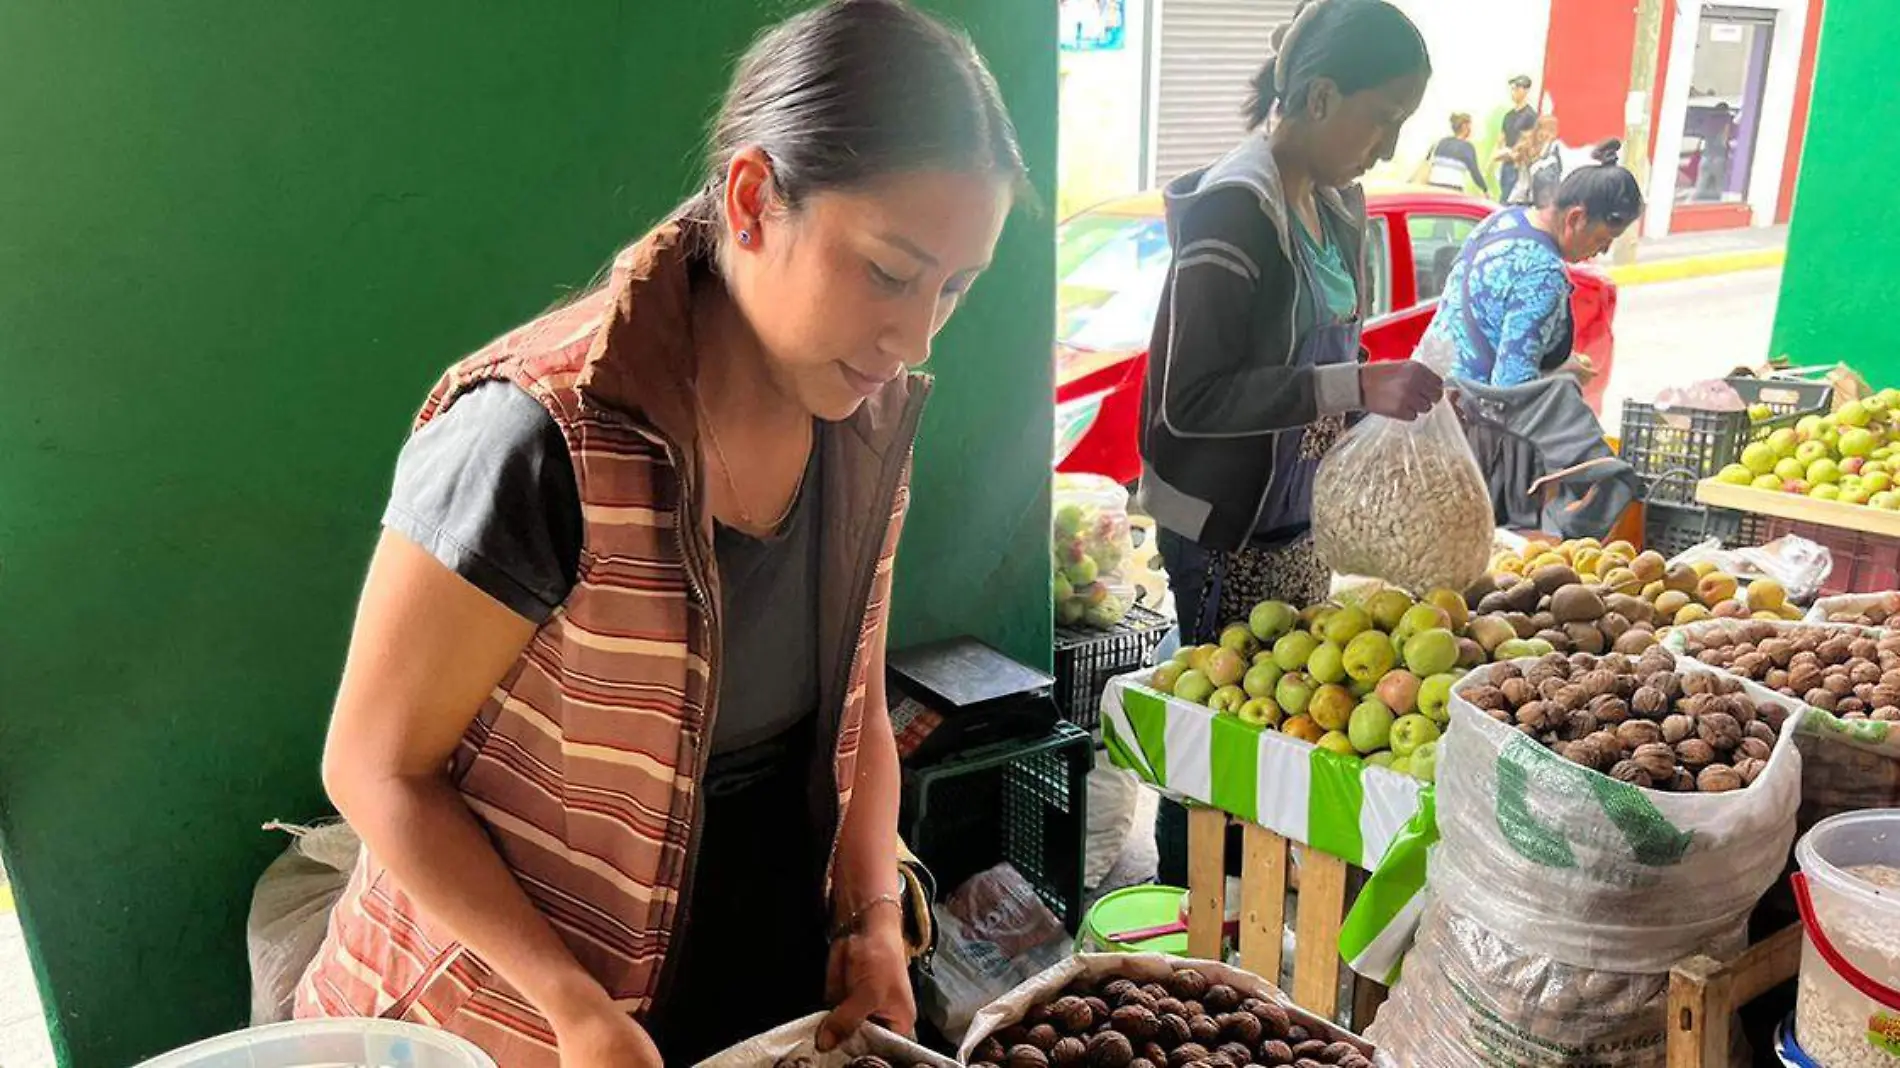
(613, 724)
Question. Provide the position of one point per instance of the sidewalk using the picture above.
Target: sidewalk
(1698, 255)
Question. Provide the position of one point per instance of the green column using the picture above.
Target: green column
(239, 241)
(1837, 291)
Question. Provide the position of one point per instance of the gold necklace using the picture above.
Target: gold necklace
(725, 471)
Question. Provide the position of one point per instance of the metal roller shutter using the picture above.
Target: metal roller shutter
(1206, 55)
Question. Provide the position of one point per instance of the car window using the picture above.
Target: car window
(1110, 270)
(1379, 266)
(1436, 240)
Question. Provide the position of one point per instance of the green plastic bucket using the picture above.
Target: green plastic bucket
(1134, 908)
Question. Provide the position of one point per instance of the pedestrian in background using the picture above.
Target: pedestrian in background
(1520, 120)
(1540, 165)
(1454, 158)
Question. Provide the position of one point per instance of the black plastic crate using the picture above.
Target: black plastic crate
(1023, 802)
(1087, 658)
(1674, 528)
(1676, 448)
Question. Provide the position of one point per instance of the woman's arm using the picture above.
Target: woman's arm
(427, 650)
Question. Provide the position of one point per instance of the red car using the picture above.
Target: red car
(1112, 262)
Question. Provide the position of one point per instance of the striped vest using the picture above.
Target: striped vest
(583, 764)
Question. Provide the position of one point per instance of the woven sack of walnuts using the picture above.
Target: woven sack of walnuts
(1560, 896)
(1148, 1010)
(1404, 502)
(794, 1045)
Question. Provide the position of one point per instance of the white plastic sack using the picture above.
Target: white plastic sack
(1091, 552)
(290, 911)
(1560, 899)
(1800, 565)
(1405, 502)
(992, 933)
(1112, 794)
(794, 1045)
(1863, 607)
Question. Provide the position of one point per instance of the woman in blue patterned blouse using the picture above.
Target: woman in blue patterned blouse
(1506, 305)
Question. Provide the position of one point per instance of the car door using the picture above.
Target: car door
(1425, 243)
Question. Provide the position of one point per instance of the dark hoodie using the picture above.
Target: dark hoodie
(1227, 403)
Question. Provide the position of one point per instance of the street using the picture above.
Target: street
(1670, 333)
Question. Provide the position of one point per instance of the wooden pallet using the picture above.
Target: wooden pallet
(1324, 883)
(1705, 994)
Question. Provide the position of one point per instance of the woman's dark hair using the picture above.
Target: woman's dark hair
(1606, 192)
(1358, 44)
(1460, 122)
(852, 91)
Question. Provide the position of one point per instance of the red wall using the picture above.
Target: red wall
(1798, 129)
(1586, 66)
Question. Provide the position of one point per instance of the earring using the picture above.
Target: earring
(745, 237)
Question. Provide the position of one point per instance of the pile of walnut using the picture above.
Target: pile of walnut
(1851, 675)
(1884, 613)
(1184, 1022)
(1639, 720)
(867, 1061)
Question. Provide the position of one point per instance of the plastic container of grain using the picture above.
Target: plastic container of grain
(1847, 1013)
(329, 1044)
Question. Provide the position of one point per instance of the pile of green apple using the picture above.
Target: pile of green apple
(1371, 681)
(1087, 547)
(1850, 456)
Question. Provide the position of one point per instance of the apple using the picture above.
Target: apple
(1797, 487)
(1346, 624)
(1788, 470)
(1453, 605)
(1227, 699)
(1421, 617)
(1783, 441)
(1514, 649)
(1239, 639)
(1293, 694)
(1737, 475)
(1825, 492)
(1166, 676)
(1758, 457)
(1401, 764)
(1194, 686)
(1398, 691)
(1261, 679)
(1370, 726)
(1854, 414)
(1070, 519)
(1327, 664)
(1317, 628)
(1303, 728)
(1383, 758)
(1823, 471)
(1431, 652)
(1269, 620)
(1875, 481)
(1434, 698)
(1885, 500)
(1410, 732)
(1852, 467)
(1369, 656)
(1225, 667)
(1809, 451)
(1082, 572)
(1425, 762)
(1541, 647)
(1259, 712)
(1387, 607)
(1337, 742)
(1198, 656)
(1331, 707)
(1292, 650)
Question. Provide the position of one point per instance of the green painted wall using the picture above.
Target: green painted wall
(239, 240)
(1837, 289)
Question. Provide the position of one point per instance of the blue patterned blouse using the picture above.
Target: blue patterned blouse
(1519, 300)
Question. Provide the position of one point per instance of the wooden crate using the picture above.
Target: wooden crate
(1324, 885)
(1705, 994)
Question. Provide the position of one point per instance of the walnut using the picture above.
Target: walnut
(1310, 1048)
(1887, 715)
(1631, 772)
(1072, 1014)
(1821, 699)
(1118, 990)
(1617, 664)
(1753, 665)
(990, 1050)
(1011, 1036)
(1837, 649)
(1296, 1035)
(1598, 682)
(1863, 649)
(1136, 1022)
(1655, 659)
(1537, 715)
(1110, 1049)
(1043, 1036)
(1649, 701)
(1863, 671)
(1772, 713)
(1760, 731)
(1185, 1054)
(1850, 706)
(1713, 657)
(1777, 650)
(1837, 683)
(1187, 984)
(1632, 734)
(1587, 753)
(1684, 782)
(868, 1061)
(1695, 753)
(1098, 1007)
(1609, 709)
(1720, 730)
(1203, 1029)
(1026, 1056)
(1242, 1027)
(1804, 677)
(1068, 1053)
(1170, 1006)
(1753, 747)
(1776, 678)
(1551, 687)
(1217, 1059)
(1578, 724)
(1518, 692)
(1677, 727)
(1717, 779)
(1486, 698)
(1698, 682)
(1656, 760)
(1275, 1052)
(1337, 1052)
(1141, 1062)
(1191, 1009)
(1174, 1030)
(1273, 1019)
(1749, 769)
(1241, 1053)
(1539, 673)
(1697, 703)
(1155, 991)
(1154, 1053)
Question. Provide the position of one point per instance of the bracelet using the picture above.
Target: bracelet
(855, 922)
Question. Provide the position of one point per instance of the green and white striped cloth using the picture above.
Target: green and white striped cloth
(1367, 816)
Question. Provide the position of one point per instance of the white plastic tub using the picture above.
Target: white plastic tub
(329, 1044)
(1848, 1009)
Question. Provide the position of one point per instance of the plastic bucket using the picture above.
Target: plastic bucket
(1788, 1052)
(329, 1044)
(1130, 909)
(1848, 1008)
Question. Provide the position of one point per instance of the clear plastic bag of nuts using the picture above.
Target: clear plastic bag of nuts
(1405, 502)
(1561, 896)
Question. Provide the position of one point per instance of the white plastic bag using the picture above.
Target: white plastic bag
(290, 911)
(1112, 794)
(992, 933)
(1560, 899)
(1865, 609)
(1800, 565)
(1405, 502)
(1090, 550)
(795, 1045)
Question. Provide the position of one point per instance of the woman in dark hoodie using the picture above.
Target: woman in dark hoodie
(1256, 360)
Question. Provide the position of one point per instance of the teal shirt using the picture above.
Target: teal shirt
(1338, 284)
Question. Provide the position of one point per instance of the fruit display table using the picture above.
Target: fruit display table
(1863, 540)
(1283, 790)
(1799, 507)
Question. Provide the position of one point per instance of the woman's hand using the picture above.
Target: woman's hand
(605, 1037)
(869, 979)
(1404, 389)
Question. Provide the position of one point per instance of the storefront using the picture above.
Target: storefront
(1729, 112)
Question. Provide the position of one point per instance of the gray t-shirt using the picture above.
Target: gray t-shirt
(488, 488)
